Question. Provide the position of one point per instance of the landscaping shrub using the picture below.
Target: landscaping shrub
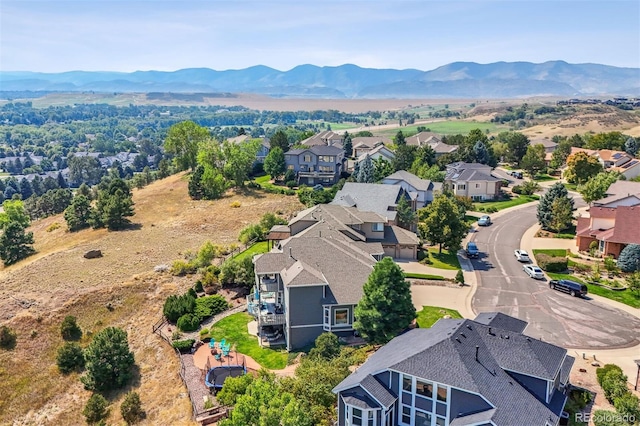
(289, 175)
(177, 306)
(70, 329)
(628, 406)
(235, 204)
(551, 263)
(517, 189)
(207, 252)
(492, 209)
(613, 382)
(290, 184)
(198, 287)
(96, 409)
(188, 322)
(251, 232)
(459, 277)
(183, 345)
(327, 347)
(238, 272)
(181, 267)
(70, 358)
(210, 305)
(8, 338)
(580, 268)
(131, 408)
(607, 418)
(629, 258)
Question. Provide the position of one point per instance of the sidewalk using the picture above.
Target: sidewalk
(418, 268)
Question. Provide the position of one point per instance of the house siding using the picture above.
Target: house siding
(301, 337)
(464, 403)
(538, 387)
(304, 307)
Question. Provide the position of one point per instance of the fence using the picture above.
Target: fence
(238, 250)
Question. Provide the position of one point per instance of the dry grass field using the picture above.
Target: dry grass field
(120, 289)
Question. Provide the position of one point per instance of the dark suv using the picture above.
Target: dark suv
(571, 287)
(472, 250)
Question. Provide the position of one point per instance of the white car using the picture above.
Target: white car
(534, 272)
(522, 256)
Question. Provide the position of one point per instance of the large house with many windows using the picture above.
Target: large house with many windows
(319, 164)
(484, 372)
(473, 180)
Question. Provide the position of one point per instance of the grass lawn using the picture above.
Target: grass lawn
(234, 329)
(430, 314)
(257, 248)
(423, 276)
(452, 127)
(500, 205)
(551, 252)
(625, 296)
(571, 186)
(544, 177)
(444, 260)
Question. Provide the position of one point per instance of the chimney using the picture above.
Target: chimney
(291, 253)
(490, 332)
(477, 348)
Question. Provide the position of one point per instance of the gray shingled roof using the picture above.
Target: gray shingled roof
(446, 353)
(474, 419)
(301, 274)
(500, 320)
(360, 399)
(380, 393)
(396, 235)
(413, 180)
(469, 175)
(370, 197)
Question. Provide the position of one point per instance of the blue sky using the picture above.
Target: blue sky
(118, 35)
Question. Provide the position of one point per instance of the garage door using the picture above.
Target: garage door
(389, 251)
(407, 252)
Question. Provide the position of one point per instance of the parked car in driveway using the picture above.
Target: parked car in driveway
(534, 272)
(516, 174)
(484, 220)
(472, 250)
(573, 288)
(522, 256)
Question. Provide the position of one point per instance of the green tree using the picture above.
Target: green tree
(70, 358)
(533, 161)
(545, 207)
(629, 259)
(326, 347)
(69, 329)
(15, 243)
(279, 140)
(108, 360)
(631, 146)
(517, 145)
(239, 159)
(560, 154)
(8, 338)
(399, 138)
(78, 214)
(366, 174)
(561, 214)
(381, 169)
(432, 173)
(213, 183)
(96, 409)
(405, 155)
(596, 188)
(14, 211)
(114, 206)
(386, 307)
(460, 277)
(195, 189)
(131, 408)
(406, 215)
(441, 223)
(581, 167)
(610, 140)
(183, 140)
(274, 163)
(481, 153)
(83, 169)
(348, 145)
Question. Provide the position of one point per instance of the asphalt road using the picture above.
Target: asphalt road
(552, 315)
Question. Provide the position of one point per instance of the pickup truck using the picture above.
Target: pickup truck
(472, 250)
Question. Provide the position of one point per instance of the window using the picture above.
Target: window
(422, 419)
(341, 317)
(307, 158)
(406, 414)
(442, 393)
(424, 389)
(407, 383)
(371, 421)
(441, 421)
(462, 186)
(326, 323)
(356, 416)
(325, 168)
(477, 185)
(326, 158)
(290, 167)
(378, 227)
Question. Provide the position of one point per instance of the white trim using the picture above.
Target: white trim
(306, 326)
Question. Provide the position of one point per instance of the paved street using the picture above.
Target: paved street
(553, 316)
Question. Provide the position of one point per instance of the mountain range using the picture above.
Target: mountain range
(455, 80)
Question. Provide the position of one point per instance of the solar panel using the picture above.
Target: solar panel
(629, 164)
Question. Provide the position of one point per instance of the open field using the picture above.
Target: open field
(119, 289)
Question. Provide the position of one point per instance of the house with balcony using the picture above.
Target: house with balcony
(473, 180)
(482, 372)
(311, 281)
(319, 164)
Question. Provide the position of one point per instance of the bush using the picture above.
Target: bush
(70, 329)
(238, 272)
(326, 347)
(53, 227)
(460, 277)
(628, 406)
(96, 409)
(210, 305)
(235, 204)
(289, 175)
(204, 333)
(198, 287)
(191, 292)
(607, 418)
(492, 209)
(181, 267)
(551, 263)
(629, 258)
(177, 306)
(8, 338)
(188, 322)
(131, 408)
(291, 184)
(614, 385)
(183, 345)
(251, 232)
(517, 189)
(70, 358)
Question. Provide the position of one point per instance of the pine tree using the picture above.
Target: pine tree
(545, 207)
(195, 185)
(348, 145)
(78, 214)
(406, 215)
(631, 146)
(366, 172)
(15, 243)
(386, 308)
(109, 344)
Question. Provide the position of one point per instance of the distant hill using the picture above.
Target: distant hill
(455, 80)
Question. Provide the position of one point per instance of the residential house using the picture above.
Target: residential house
(379, 151)
(610, 159)
(472, 180)
(613, 221)
(549, 145)
(364, 144)
(442, 148)
(263, 149)
(420, 190)
(431, 139)
(310, 282)
(319, 164)
(372, 197)
(325, 138)
(459, 372)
